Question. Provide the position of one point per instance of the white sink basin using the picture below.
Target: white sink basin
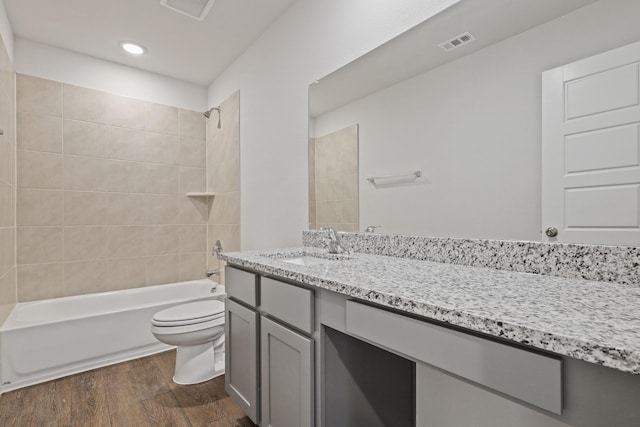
(306, 260)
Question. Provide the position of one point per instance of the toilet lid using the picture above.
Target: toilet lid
(189, 313)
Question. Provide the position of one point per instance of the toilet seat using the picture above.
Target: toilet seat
(189, 314)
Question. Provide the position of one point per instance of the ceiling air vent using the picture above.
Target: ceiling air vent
(197, 9)
(457, 41)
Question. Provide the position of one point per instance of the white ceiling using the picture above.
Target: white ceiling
(178, 46)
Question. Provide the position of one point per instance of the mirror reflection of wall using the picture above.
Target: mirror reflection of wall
(472, 123)
(333, 180)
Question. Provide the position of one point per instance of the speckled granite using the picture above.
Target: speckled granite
(592, 321)
(618, 264)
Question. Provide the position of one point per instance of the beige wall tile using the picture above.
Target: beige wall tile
(192, 125)
(162, 239)
(39, 170)
(125, 177)
(192, 153)
(193, 210)
(193, 238)
(226, 208)
(192, 179)
(38, 245)
(84, 104)
(159, 148)
(161, 209)
(39, 133)
(161, 118)
(39, 207)
(7, 245)
(85, 277)
(125, 144)
(35, 95)
(231, 111)
(85, 173)
(7, 160)
(90, 239)
(85, 243)
(126, 241)
(162, 179)
(7, 205)
(84, 138)
(226, 176)
(161, 270)
(8, 293)
(40, 281)
(126, 273)
(85, 208)
(125, 112)
(193, 266)
(125, 209)
(225, 144)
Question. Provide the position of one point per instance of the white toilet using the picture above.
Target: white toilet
(197, 329)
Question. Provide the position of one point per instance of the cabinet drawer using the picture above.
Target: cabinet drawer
(241, 285)
(525, 375)
(289, 303)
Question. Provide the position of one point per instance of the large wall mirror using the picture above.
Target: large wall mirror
(469, 119)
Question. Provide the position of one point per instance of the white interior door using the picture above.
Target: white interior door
(591, 149)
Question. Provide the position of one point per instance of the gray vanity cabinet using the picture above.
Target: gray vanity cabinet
(269, 349)
(241, 352)
(242, 340)
(287, 376)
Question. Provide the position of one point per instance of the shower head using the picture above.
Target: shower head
(207, 114)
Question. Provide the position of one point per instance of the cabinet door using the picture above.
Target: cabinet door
(287, 377)
(241, 357)
(443, 400)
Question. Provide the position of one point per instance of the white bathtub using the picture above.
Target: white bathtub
(47, 339)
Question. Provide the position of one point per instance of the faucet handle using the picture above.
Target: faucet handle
(215, 272)
(331, 231)
(372, 228)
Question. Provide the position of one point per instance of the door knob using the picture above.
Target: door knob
(551, 232)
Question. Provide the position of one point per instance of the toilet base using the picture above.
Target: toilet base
(198, 363)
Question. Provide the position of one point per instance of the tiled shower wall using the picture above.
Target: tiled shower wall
(334, 200)
(101, 201)
(7, 185)
(223, 177)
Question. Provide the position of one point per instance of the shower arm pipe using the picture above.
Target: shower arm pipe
(394, 179)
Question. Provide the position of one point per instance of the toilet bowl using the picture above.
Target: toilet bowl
(197, 330)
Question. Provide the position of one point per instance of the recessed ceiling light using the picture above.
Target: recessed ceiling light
(133, 48)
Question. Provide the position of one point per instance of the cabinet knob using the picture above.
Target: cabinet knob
(551, 232)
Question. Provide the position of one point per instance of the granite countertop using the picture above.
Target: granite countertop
(593, 321)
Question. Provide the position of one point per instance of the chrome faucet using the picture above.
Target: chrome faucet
(372, 228)
(333, 241)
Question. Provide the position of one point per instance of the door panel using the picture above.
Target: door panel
(603, 149)
(241, 379)
(287, 377)
(591, 149)
(621, 202)
(602, 92)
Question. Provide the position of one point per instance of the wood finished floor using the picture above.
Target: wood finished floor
(135, 393)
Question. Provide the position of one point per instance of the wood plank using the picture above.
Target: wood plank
(135, 393)
(89, 400)
(200, 402)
